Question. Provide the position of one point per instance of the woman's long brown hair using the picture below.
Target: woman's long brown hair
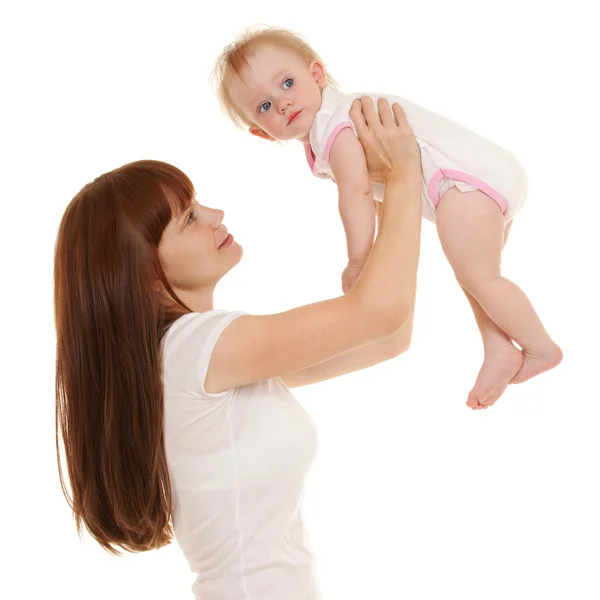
(110, 320)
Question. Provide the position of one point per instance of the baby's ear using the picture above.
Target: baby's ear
(261, 133)
(317, 71)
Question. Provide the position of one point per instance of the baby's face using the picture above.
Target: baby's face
(279, 93)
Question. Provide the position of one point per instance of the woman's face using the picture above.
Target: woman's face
(196, 250)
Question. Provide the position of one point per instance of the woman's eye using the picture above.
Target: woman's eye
(191, 218)
(288, 83)
(264, 107)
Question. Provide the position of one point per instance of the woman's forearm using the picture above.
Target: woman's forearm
(357, 359)
(390, 274)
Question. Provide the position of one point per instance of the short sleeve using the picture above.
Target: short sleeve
(188, 347)
(333, 117)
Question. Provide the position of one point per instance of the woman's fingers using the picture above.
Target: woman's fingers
(400, 116)
(385, 113)
(356, 114)
(365, 117)
(390, 147)
(370, 113)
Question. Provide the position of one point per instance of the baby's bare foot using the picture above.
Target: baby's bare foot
(498, 368)
(537, 362)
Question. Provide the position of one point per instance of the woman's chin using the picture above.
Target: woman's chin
(234, 254)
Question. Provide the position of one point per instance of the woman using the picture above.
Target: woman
(170, 410)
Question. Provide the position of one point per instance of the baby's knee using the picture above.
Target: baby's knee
(477, 284)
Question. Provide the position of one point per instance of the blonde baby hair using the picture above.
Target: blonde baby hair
(235, 56)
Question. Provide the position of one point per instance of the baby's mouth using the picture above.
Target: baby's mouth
(294, 116)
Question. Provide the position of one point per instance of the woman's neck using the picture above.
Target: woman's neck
(200, 300)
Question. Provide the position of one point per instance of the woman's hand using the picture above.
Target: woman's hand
(390, 147)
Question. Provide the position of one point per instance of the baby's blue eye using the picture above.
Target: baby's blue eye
(285, 83)
(264, 107)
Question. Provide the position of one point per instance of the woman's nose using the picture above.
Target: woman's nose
(217, 217)
(212, 216)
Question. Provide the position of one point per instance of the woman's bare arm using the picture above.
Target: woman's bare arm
(253, 348)
(360, 358)
(356, 360)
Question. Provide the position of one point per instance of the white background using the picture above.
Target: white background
(413, 496)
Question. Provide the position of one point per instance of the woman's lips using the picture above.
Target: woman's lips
(294, 116)
(226, 242)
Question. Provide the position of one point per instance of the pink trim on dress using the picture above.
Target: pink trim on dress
(310, 156)
(333, 135)
(434, 183)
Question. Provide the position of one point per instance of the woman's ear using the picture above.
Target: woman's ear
(317, 71)
(261, 133)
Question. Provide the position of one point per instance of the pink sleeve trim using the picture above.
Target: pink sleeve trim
(310, 156)
(434, 183)
(333, 135)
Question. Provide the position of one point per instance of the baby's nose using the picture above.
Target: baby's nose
(284, 104)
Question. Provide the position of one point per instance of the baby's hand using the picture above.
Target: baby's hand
(350, 275)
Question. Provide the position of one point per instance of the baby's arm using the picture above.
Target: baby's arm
(356, 205)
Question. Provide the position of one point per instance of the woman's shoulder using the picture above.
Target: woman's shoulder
(194, 324)
(188, 346)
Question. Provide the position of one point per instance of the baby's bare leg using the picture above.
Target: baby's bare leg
(491, 335)
(502, 360)
(471, 229)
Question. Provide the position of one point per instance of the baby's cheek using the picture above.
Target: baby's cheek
(273, 126)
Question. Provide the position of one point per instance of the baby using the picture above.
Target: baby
(272, 82)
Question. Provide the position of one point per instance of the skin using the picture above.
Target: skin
(191, 258)
(473, 233)
(194, 262)
(193, 265)
(275, 85)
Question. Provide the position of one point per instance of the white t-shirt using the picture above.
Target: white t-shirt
(237, 462)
